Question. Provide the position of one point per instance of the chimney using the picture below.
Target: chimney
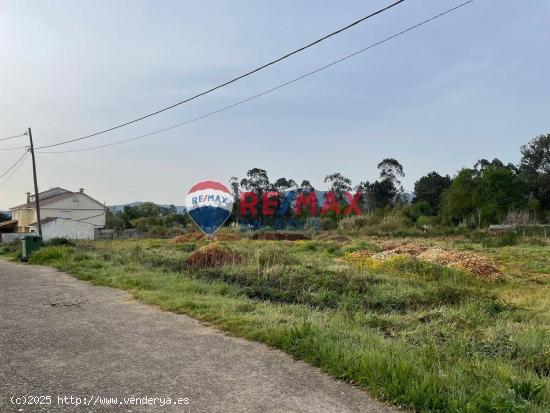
(81, 190)
(28, 197)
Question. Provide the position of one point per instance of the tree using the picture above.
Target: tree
(339, 184)
(145, 217)
(458, 201)
(483, 195)
(283, 184)
(534, 169)
(234, 184)
(498, 191)
(430, 189)
(392, 170)
(116, 221)
(378, 194)
(257, 181)
(4, 217)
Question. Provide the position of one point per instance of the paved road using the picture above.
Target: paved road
(60, 337)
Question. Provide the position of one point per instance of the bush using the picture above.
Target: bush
(47, 255)
(60, 241)
(13, 246)
(425, 221)
(505, 239)
(392, 223)
(353, 222)
(328, 224)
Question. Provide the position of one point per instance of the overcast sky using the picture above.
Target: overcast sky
(472, 84)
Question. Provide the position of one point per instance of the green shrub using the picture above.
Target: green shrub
(505, 239)
(58, 241)
(328, 224)
(13, 246)
(425, 221)
(47, 255)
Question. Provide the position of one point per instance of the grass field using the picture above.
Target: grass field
(421, 335)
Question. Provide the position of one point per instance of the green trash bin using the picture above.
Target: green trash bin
(29, 244)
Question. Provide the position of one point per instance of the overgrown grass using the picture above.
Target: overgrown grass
(420, 335)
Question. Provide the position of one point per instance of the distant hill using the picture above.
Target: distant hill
(118, 208)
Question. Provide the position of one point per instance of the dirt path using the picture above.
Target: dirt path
(63, 337)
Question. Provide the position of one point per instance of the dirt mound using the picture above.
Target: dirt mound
(405, 248)
(279, 236)
(361, 254)
(213, 256)
(189, 237)
(474, 264)
(384, 255)
(227, 236)
(471, 263)
(333, 237)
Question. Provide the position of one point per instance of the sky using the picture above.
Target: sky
(472, 84)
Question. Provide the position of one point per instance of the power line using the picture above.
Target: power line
(402, 32)
(26, 154)
(12, 137)
(13, 148)
(229, 81)
(14, 165)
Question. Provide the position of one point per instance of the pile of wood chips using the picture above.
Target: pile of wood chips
(477, 265)
(474, 264)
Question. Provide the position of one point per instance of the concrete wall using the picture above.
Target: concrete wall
(8, 237)
(66, 228)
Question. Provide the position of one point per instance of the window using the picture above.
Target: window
(76, 200)
(66, 214)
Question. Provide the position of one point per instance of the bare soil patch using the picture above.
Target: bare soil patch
(280, 236)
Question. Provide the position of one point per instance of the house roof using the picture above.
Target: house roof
(8, 224)
(49, 199)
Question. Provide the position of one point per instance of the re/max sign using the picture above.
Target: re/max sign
(275, 203)
(222, 200)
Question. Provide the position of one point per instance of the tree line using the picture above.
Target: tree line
(489, 192)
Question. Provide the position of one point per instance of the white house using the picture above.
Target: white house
(65, 228)
(78, 207)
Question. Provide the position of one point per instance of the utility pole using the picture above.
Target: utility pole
(36, 200)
